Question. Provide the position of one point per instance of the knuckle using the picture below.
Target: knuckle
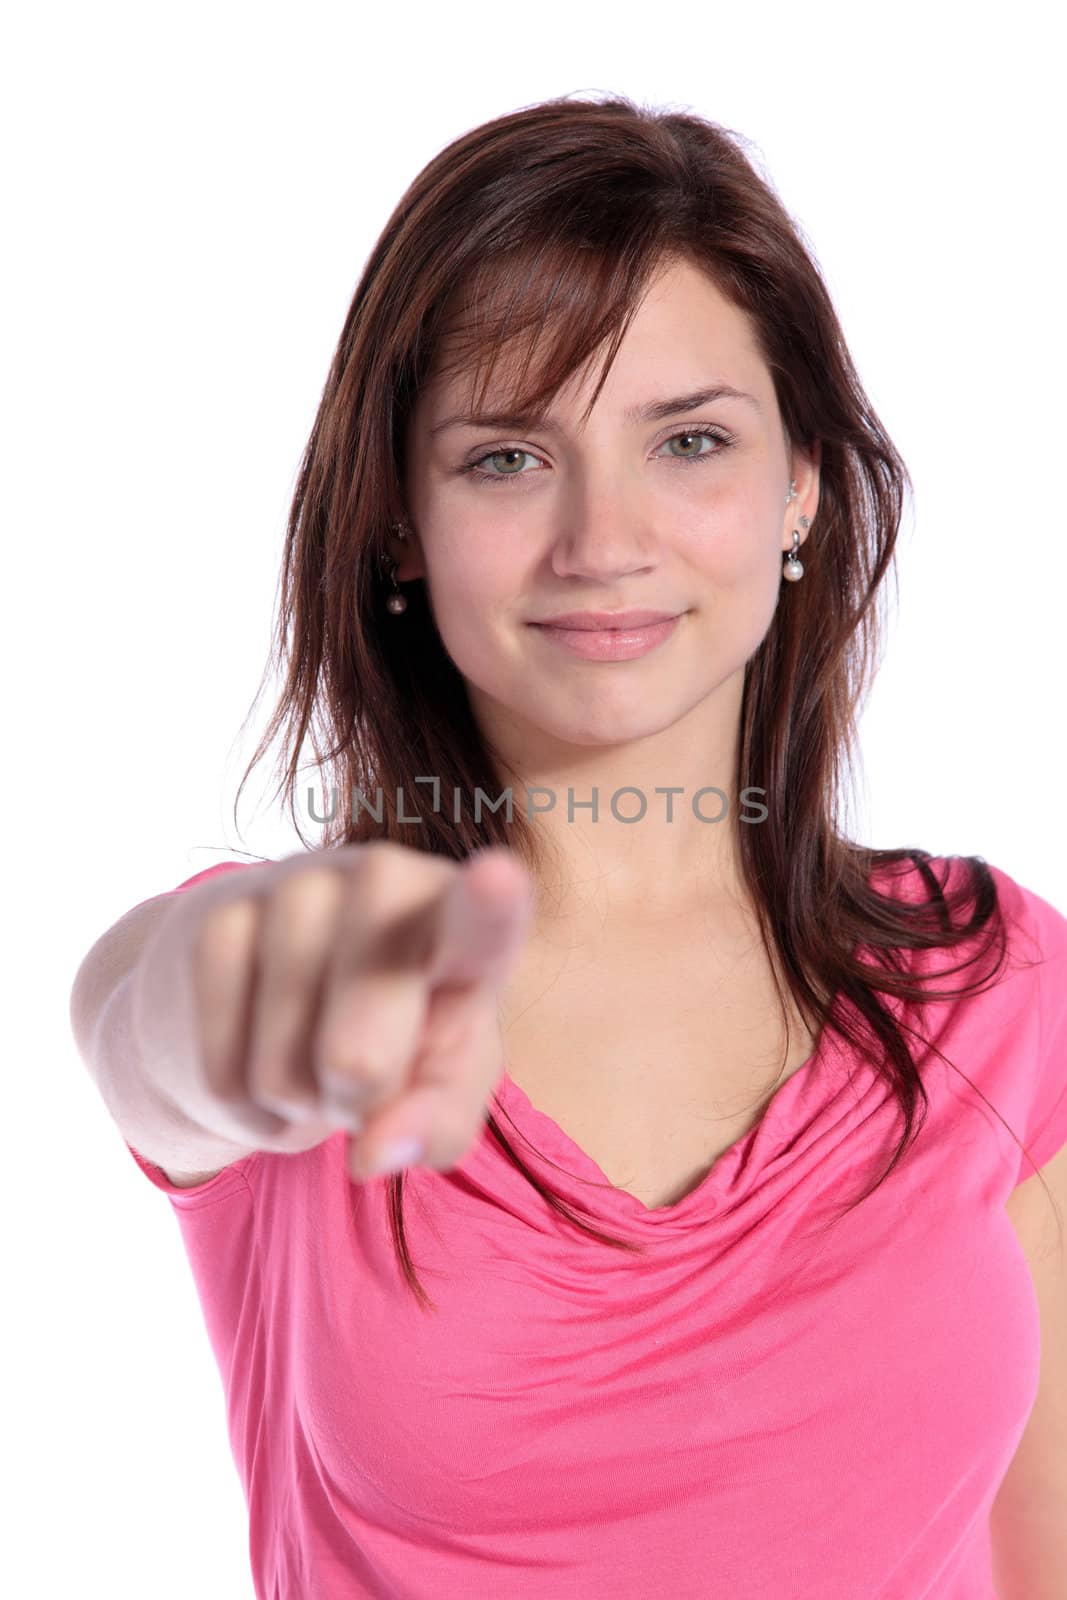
(379, 848)
(272, 1085)
(294, 945)
(386, 862)
(377, 872)
(307, 890)
(223, 930)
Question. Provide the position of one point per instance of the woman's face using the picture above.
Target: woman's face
(629, 512)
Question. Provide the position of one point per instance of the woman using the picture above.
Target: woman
(728, 1289)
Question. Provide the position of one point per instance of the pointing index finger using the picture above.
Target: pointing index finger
(484, 918)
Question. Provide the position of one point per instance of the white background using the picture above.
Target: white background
(190, 194)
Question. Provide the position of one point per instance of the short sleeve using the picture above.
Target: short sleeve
(201, 877)
(1045, 1129)
(213, 872)
(232, 1180)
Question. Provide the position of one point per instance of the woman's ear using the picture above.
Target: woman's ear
(805, 465)
(403, 546)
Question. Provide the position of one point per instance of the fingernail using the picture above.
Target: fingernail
(396, 1153)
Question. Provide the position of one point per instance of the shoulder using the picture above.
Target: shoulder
(1007, 1026)
(1027, 913)
(1037, 926)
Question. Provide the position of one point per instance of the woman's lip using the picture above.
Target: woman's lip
(609, 644)
(597, 621)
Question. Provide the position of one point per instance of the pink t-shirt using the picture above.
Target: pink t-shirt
(752, 1409)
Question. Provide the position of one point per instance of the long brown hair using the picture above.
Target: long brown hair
(550, 222)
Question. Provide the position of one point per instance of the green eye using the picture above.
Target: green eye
(494, 455)
(475, 469)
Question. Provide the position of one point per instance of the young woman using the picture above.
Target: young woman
(728, 1143)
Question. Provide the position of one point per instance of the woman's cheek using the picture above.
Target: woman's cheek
(462, 612)
(739, 554)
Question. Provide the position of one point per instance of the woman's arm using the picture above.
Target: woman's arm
(100, 1023)
(1028, 1522)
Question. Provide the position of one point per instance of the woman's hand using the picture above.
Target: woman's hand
(353, 987)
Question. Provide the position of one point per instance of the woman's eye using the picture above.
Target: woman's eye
(690, 436)
(697, 437)
(497, 455)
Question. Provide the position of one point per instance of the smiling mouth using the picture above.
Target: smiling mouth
(609, 644)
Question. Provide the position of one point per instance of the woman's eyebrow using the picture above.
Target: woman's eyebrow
(652, 411)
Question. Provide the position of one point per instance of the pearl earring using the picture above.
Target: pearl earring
(794, 567)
